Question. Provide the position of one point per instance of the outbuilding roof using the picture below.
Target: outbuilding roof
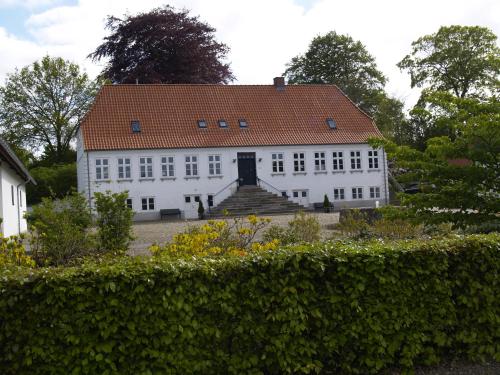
(7, 155)
(168, 116)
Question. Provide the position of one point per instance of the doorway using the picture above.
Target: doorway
(247, 170)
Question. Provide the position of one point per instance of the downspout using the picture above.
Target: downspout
(88, 179)
(19, 207)
(385, 177)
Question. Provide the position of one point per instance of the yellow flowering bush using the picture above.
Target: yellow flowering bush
(218, 237)
(12, 252)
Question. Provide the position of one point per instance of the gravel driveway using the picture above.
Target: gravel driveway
(147, 233)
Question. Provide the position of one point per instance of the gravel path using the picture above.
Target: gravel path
(147, 233)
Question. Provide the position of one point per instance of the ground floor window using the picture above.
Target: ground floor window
(148, 203)
(357, 193)
(374, 192)
(338, 194)
(128, 203)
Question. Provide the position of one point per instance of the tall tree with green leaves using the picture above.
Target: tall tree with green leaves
(459, 175)
(162, 46)
(463, 60)
(42, 104)
(339, 59)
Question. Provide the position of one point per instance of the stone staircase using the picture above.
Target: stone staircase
(250, 200)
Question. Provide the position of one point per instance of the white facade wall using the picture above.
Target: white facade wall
(171, 192)
(13, 201)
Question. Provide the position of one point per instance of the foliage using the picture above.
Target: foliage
(301, 229)
(464, 60)
(55, 181)
(201, 210)
(334, 307)
(463, 193)
(338, 59)
(217, 238)
(59, 230)
(326, 203)
(42, 104)
(12, 252)
(354, 224)
(162, 46)
(114, 221)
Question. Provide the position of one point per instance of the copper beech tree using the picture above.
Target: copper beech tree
(162, 46)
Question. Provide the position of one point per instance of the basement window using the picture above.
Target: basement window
(331, 123)
(136, 126)
(202, 124)
(222, 124)
(243, 123)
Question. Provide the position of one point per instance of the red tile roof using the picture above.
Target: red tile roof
(169, 116)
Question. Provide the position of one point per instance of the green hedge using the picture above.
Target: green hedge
(351, 308)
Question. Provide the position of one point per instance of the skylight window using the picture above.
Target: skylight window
(222, 123)
(243, 123)
(136, 126)
(331, 123)
(202, 124)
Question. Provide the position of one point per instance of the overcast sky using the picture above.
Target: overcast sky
(263, 34)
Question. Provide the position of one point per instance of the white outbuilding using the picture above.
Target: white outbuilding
(172, 146)
(13, 176)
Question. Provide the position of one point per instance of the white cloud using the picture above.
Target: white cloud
(30, 4)
(263, 35)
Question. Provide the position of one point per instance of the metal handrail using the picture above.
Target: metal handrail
(280, 193)
(222, 190)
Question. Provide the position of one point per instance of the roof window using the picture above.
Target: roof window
(222, 124)
(202, 124)
(243, 123)
(136, 126)
(331, 123)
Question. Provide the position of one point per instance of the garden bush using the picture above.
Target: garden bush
(302, 228)
(334, 307)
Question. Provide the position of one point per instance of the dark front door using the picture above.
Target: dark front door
(247, 172)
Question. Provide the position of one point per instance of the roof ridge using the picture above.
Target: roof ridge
(216, 84)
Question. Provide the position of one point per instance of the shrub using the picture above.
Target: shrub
(201, 210)
(333, 307)
(302, 228)
(216, 238)
(397, 229)
(59, 230)
(326, 204)
(12, 252)
(354, 223)
(114, 221)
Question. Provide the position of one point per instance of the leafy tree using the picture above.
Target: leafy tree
(464, 193)
(338, 59)
(55, 182)
(162, 46)
(464, 60)
(42, 104)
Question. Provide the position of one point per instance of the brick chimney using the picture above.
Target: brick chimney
(279, 83)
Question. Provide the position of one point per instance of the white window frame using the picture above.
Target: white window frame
(149, 200)
(124, 169)
(339, 194)
(278, 162)
(375, 192)
(146, 167)
(191, 166)
(357, 194)
(356, 162)
(373, 159)
(338, 161)
(299, 162)
(319, 161)
(215, 165)
(102, 169)
(167, 166)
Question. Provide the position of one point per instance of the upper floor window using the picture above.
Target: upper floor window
(124, 168)
(319, 161)
(355, 160)
(357, 193)
(135, 125)
(214, 165)
(243, 123)
(222, 123)
(338, 160)
(277, 159)
(101, 169)
(146, 167)
(373, 159)
(167, 166)
(299, 162)
(191, 165)
(202, 124)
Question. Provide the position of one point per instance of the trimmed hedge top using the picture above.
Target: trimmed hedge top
(340, 306)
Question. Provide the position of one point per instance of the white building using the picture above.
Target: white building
(170, 146)
(14, 177)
